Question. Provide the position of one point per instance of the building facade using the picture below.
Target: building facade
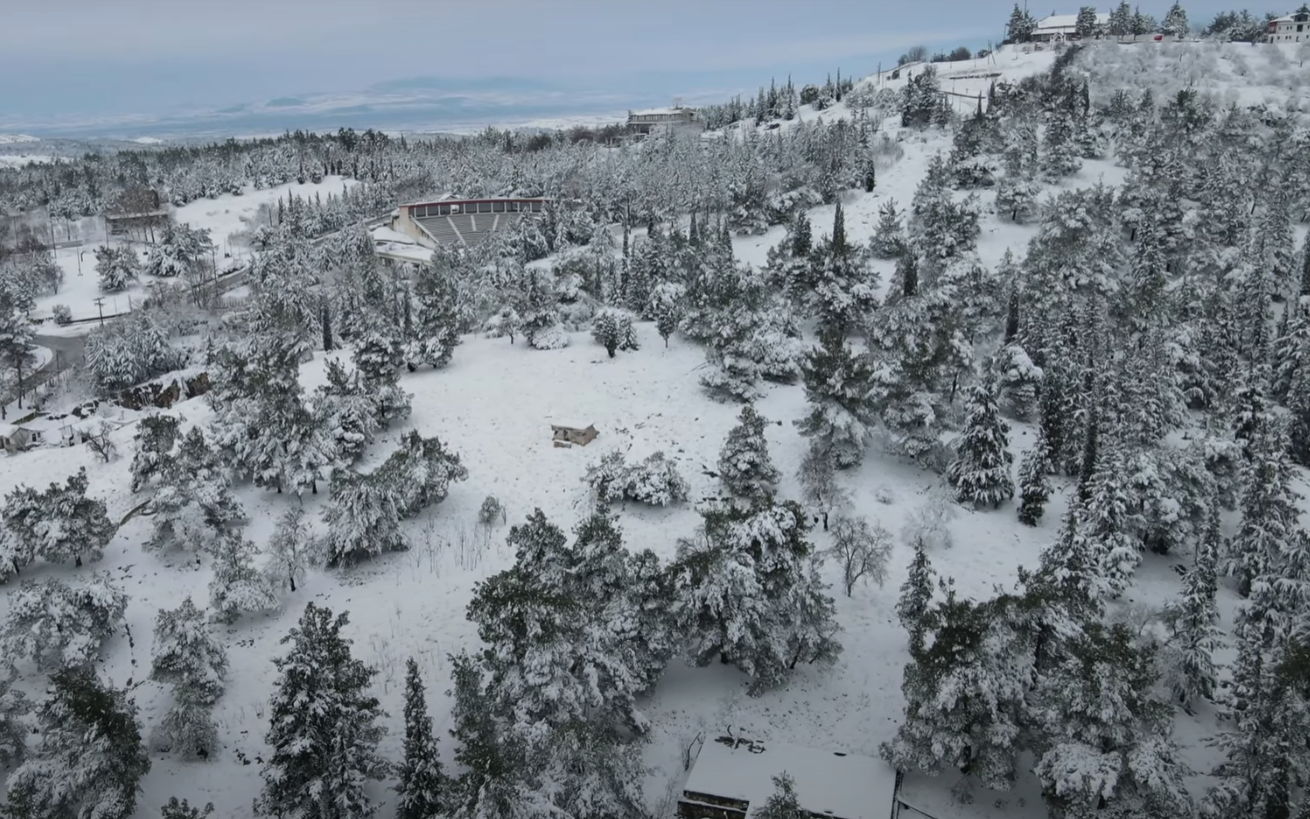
(1290, 28)
(1059, 28)
(644, 123)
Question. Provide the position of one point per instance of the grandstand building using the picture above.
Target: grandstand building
(462, 221)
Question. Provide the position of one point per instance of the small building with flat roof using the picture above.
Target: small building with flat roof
(733, 779)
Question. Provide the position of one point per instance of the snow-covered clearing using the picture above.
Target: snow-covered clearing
(229, 214)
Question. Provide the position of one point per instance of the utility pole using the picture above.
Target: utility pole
(100, 305)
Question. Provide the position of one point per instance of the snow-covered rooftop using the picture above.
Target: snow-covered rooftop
(655, 111)
(1058, 22)
(844, 786)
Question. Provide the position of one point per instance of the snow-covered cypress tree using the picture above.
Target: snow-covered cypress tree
(322, 725)
(915, 602)
(1034, 483)
(186, 657)
(980, 472)
(90, 759)
(837, 384)
(421, 789)
(744, 464)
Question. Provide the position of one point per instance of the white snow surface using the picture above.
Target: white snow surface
(6, 139)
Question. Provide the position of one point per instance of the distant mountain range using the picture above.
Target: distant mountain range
(420, 104)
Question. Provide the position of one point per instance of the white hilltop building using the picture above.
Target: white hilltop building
(1058, 28)
(1291, 28)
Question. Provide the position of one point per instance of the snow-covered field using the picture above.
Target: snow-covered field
(494, 406)
(229, 214)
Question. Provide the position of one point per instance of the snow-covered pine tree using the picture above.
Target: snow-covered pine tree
(323, 728)
(837, 383)
(60, 524)
(1175, 22)
(90, 759)
(117, 267)
(346, 411)
(748, 590)
(1100, 723)
(1192, 620)
(665, 306)
(237, 586)
(376, 357)
(419, 473)
(292, 551)
(1034, 482)
(194, 507)
(783, 803)
(59, 626)
(436, 322)
(980, 472)
(1269, 508)
(1086, 26)
(421, 791)
(364, 518)
(186, 657)
(888, 235)
(155, 438)
(966, 690)
(841, 287)
(612, 329)
(14, 705)
(744, 464)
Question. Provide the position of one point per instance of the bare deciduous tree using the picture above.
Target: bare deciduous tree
(862, 550)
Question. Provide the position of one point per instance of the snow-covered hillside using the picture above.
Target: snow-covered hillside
(496, 401)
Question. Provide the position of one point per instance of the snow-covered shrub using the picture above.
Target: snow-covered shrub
(56, 625)
(554, 337)
(491, 511)
(927, 524)
(884, 494)
(62, 314)
(655, 480)
(613, 330)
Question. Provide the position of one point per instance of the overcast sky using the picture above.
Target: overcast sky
(142, 56)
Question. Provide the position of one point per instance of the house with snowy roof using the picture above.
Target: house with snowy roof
(1291, 28)
(732, 778)
(1058, 28)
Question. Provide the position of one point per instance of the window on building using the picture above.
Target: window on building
(484, 207)
(497, 207)
(536, 207)
(444, 210)
(419, 212)
(512, 207)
